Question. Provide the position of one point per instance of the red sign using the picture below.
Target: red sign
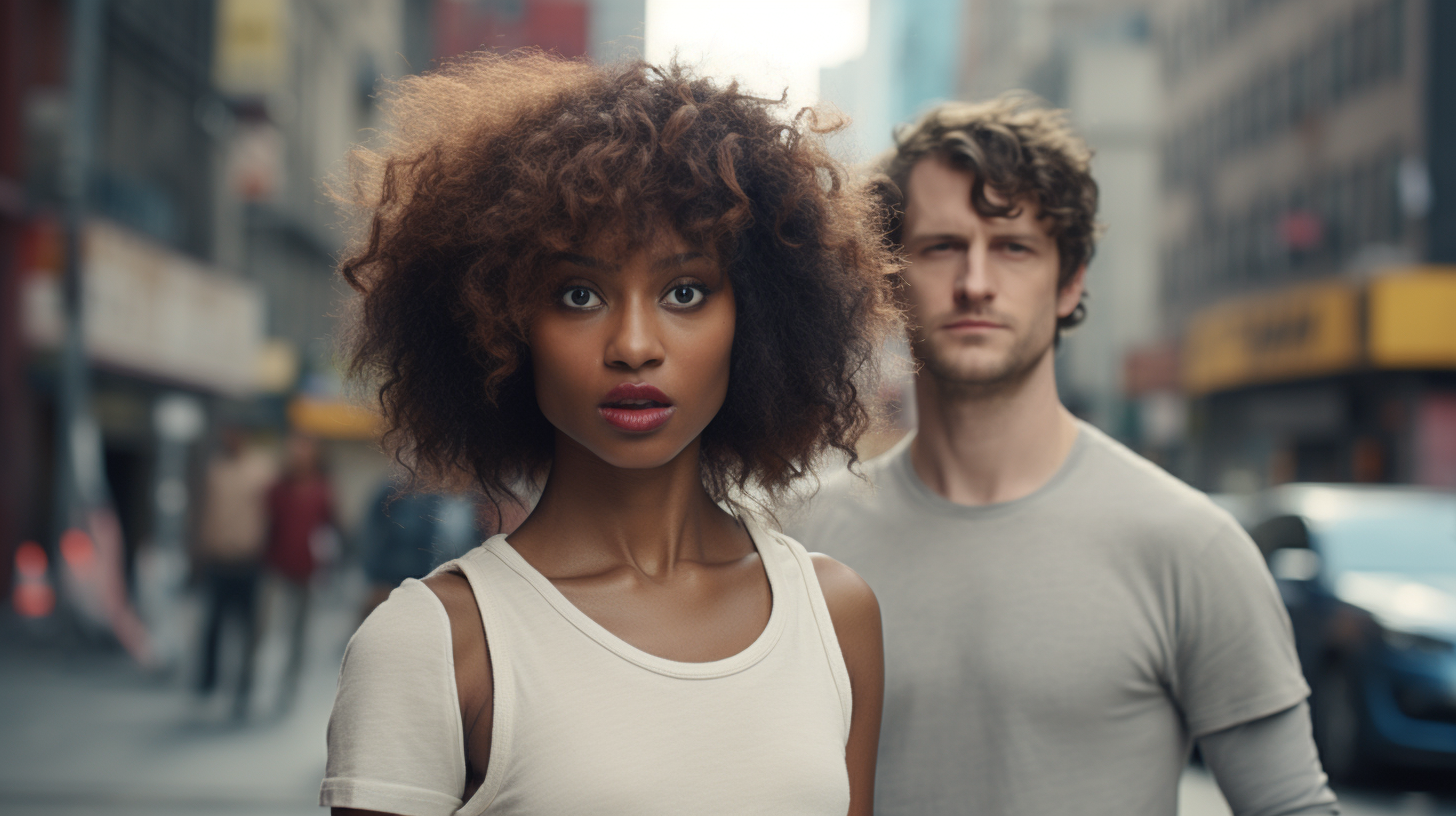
(1301, 230)
(462, 26)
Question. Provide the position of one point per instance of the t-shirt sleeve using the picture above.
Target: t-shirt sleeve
(1270, 766)
(1235, 658)
(395, 738)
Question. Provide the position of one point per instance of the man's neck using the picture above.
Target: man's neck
(994, 446)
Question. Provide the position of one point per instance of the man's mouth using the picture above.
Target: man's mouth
(973, 323)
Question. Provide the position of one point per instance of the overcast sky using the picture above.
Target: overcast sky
(766, 44)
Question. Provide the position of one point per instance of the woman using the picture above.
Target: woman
(645, 290)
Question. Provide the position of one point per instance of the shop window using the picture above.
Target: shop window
(1394, 30)
(1341, 57)
(1298, 98)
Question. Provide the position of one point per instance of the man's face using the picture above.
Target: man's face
(981, 292)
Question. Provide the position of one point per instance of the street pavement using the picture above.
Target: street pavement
(84, 731)
(1198, 796)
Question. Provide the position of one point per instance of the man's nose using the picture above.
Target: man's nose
(636, 340)
(973, 283)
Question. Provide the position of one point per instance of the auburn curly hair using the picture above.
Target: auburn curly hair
(495, 164)
(1024, 153)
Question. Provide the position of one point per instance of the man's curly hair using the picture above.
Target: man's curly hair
(494, 164)
(1022, 152)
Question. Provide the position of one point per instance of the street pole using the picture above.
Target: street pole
(74, 430)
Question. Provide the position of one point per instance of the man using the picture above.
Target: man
(1062, 618)
(229, 552)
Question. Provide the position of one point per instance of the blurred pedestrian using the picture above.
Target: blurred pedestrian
(232, 532)
(654, 292)
(397, 539)
(407, 533)
(1062, 618)
(301, 532)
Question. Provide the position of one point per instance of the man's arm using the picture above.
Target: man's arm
(1269, 767)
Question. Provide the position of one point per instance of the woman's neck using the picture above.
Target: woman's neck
(593, 516)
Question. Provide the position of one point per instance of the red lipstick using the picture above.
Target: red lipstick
(636, 408)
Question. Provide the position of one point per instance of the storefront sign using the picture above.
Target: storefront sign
(251, 56)
(1302, 332)
(1413, 319)
(155, 312)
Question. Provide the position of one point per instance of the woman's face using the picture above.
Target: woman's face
(631, 356)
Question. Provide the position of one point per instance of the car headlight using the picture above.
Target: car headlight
(1412, 642)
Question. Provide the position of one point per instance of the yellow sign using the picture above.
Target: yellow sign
(252, 46)
(1413, 319)
(1301, 332)
(333, 419)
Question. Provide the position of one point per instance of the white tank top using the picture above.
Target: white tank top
(585, 723)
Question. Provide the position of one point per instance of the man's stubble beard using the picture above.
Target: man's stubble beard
(954, 381)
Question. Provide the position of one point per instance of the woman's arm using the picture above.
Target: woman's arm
(856, 616)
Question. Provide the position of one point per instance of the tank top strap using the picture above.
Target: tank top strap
(808, 583)
(492, 585)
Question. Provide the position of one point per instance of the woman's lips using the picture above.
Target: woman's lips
(636, 408)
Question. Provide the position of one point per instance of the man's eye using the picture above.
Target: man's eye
(686, 296)
(1017, 248)
(580, 297)
(934, 249)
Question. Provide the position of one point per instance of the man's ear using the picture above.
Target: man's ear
(1071, 292)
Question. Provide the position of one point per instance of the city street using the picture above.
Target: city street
(87, 732)
(1199, 796)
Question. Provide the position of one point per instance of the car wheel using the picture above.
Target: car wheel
(1338, 724)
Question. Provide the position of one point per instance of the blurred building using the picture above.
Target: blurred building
(601, 29)
(911, 60)
(208, 250)
(1094, 58)
(210, 242)
(1309, 200)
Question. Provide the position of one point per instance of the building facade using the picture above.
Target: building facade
(1308, 188)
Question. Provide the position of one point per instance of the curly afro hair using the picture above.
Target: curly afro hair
(495, 164)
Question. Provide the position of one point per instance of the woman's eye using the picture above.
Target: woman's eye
(685, 296)
(580, 297)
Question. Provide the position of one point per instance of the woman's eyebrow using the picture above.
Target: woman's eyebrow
(677, 260)
(582, 260)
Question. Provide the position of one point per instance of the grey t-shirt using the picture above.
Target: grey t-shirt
(1057, 653)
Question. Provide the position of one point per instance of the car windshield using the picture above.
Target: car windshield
(1413, 534)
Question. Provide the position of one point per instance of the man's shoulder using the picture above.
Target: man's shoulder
(844, 501)
(867, 482)
(1140, 491)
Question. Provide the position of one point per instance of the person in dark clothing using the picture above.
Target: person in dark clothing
(398, 540)
(407, 534)
(301, 515)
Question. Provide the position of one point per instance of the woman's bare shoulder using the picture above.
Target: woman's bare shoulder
(852, 603)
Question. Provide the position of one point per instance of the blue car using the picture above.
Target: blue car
(1369, 577)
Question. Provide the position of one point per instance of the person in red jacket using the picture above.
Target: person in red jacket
(301, 515)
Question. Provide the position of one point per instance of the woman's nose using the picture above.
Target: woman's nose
(635, 341)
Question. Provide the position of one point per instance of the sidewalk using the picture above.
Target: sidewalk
(85, 731)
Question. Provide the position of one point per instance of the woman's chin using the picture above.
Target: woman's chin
(640, 459)
(637, 452)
